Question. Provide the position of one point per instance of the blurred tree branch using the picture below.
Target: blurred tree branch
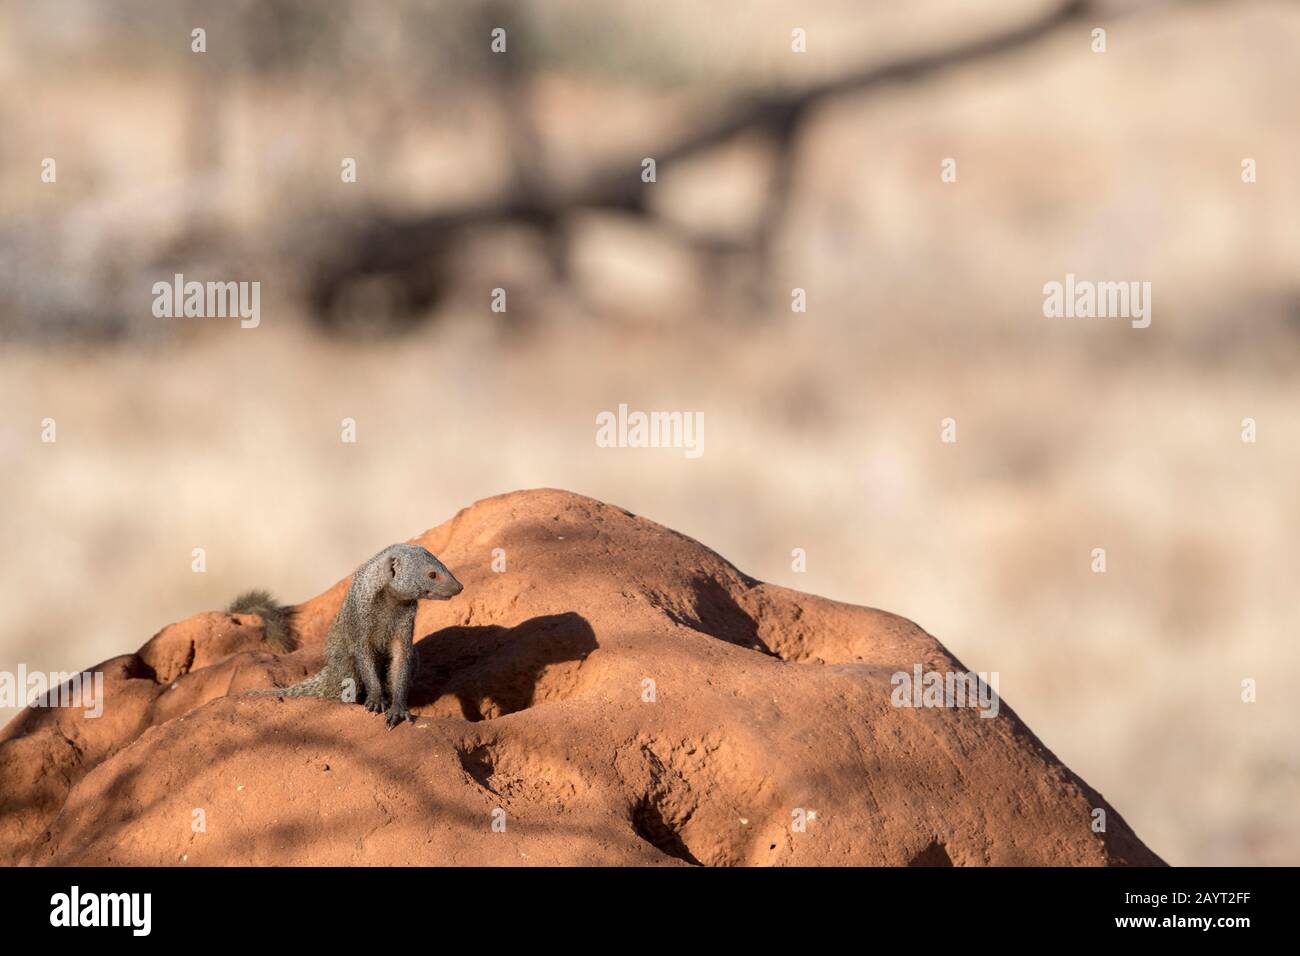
(407, 247)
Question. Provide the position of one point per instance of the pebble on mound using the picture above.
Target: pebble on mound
(619, 694)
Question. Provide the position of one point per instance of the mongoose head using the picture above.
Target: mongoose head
(417, 574)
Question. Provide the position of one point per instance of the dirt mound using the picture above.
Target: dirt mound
(606, 691)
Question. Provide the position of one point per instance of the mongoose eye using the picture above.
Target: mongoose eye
(433, 575)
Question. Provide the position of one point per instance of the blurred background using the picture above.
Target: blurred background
(776, 170)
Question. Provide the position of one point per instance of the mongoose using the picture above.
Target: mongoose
(368, 653)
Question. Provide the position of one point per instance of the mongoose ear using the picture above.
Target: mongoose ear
(392, 567)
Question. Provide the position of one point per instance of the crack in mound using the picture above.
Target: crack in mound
(933, 855)
(664, 834)
(477, 762)
(690, 798)
(516, 774)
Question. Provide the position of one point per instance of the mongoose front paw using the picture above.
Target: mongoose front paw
(376, 705)
(395, 717)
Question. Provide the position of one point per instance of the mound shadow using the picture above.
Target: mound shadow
(493, 671)
(717, 614)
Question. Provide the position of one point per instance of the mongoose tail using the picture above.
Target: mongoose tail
(313, 686)
(277, 619)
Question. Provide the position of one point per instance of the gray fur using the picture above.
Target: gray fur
(277, 619)
(368, 650)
